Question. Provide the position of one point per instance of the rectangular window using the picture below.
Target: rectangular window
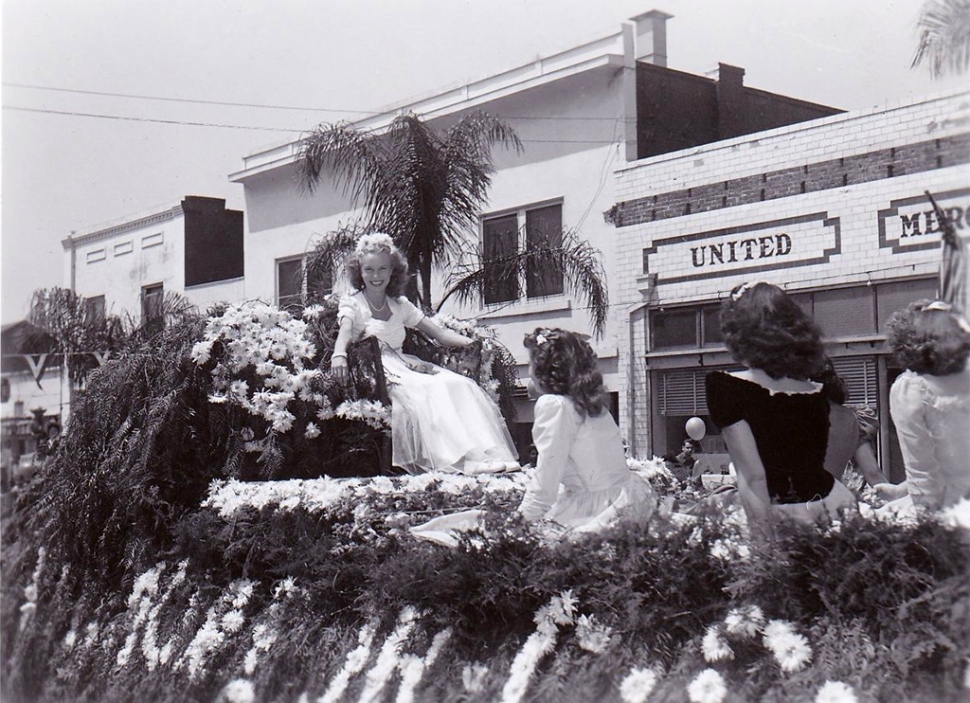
(845, 312)
(289, 284)
(543, 229)
(294, 283)
(151, 302)
(674, 328)
(894, 296)
(712, 325)
(500, 240)
(94, 308)
(503, 237)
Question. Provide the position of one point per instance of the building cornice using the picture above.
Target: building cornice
(110, 230)
(607, 51)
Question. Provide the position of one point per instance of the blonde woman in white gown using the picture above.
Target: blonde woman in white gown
(440, 420)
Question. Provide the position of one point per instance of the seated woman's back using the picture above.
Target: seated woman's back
(789, 421)
(932, 418)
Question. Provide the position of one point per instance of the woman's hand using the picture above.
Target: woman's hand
(340, 368)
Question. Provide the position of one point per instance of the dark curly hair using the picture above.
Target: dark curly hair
(564, 364)
(765, 329)
(927, 337)
(832, 384)
(373, 244)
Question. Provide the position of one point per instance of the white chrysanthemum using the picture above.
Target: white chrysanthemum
(233, 621)
(835, 692)
(638, 685)
(745, 621)
(593, 636)
(537, 645)
(714, 646)
(791, 650)
(707, 687)
(312, 431)
(239, 691)
(201, 352)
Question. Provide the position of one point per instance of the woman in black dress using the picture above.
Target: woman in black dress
(775, 421)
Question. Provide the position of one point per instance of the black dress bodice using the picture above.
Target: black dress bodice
(790, 429)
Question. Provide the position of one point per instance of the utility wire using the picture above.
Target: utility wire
(265, 129)
(604, 118)
(183, 100)
(148, 119)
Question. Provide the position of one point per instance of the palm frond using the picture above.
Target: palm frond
(575, 260)
(349, 156)
(327, 257)
(944, 36)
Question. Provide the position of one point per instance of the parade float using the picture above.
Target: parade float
(218, 523)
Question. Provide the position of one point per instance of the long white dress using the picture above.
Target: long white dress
(440, 421)
(581, 479)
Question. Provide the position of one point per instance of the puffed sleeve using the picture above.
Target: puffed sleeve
(726, 398)
(349, 309)
(410, 313)
(553, 433)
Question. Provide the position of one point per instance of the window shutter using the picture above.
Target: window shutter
(682, 393)
(860, 379)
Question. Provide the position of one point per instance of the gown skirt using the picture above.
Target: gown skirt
(443, 421)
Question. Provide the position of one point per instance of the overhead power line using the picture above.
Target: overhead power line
(149, 119)
(183, 100)
(552, 118)
(157, 120)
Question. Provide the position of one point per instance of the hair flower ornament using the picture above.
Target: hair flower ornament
(376, 240)
(744, 288)
(541, 339)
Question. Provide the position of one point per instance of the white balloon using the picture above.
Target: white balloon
(696, 429)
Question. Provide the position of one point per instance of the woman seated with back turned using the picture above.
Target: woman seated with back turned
(930, 402)
(581, 480)
(775, 421)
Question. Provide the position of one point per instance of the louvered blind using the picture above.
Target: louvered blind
(683, 393)
(859, 376)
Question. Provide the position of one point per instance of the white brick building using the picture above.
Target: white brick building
(832, 210)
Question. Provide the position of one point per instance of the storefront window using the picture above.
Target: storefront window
(676, 328)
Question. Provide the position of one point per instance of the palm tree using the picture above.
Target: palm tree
(63, 323)
(422, 188)
(944, 36)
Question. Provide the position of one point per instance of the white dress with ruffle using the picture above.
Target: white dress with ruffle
(581, 479)
(440, 421)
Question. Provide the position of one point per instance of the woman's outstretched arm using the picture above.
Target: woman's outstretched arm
(443, 336)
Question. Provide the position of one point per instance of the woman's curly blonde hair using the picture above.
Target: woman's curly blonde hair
(373, 244)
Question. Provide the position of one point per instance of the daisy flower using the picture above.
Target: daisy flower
(708, 687)
(835, 692)
(637, 685)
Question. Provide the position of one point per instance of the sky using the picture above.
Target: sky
(115, 107)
